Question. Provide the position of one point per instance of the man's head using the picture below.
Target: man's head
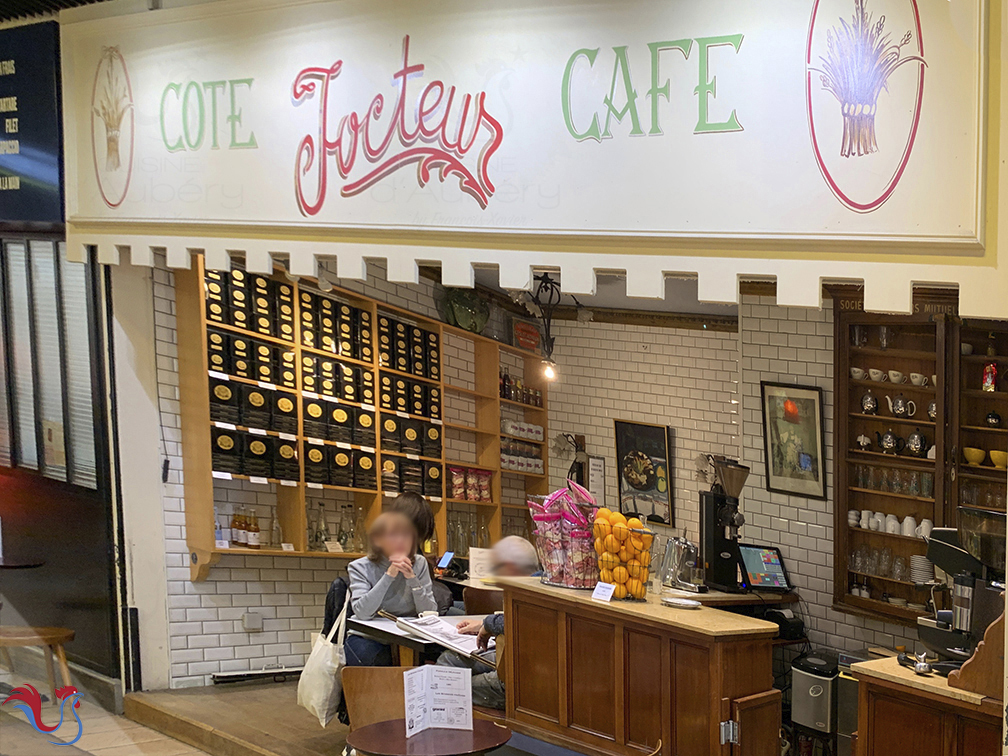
(513, 557)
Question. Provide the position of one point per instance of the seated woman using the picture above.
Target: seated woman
(394, 578)
(510, 557)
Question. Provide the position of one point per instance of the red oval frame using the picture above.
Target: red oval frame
(94, 151)
(912, 135)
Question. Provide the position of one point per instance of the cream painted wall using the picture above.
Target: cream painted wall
(140, 464)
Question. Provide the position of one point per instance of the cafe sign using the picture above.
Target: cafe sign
(784, 120)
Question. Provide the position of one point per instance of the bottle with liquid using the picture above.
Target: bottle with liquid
(484, 534)
(516, 390)
(235, 527)
(500, 384)
(254, 536)
(242, 528)
(506, 385)
(432, 545)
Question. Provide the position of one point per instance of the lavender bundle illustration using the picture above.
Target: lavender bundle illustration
(859, 61)
(112, 106)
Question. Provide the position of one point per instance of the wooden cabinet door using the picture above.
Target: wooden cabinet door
(900, 727)
(759, 721)
(979, 738)
(535, 650)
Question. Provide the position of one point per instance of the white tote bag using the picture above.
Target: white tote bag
(321, 686)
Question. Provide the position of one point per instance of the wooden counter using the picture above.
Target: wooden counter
(902, 712)
(624, 677)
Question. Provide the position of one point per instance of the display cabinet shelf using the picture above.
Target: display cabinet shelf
(480, 370)
(857, 532)
(523, 405)
(471, 502)
(886, 386)
(916, 344)
(917, 354)
(918, 586)
(890, 494)
(522, 439)
(985, 429)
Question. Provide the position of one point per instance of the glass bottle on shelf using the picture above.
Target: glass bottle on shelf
(506, 385)
(242, 527)
(360, 531)
(991, 345)
(323, 529)
(254, 535)
(235, 527)
(218, 529)
(432, 545)
(484, 533)
(342, 531)
(276, 533)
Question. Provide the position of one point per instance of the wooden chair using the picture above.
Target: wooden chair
(373, 694)
(50, 638)
(482, 600)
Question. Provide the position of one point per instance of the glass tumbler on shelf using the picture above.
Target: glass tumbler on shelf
(896, 482)
(927, 485)
(899, 569)
(883, 480)
(886, 336)
(913, 484)
(885, 562)
(872, 564)
(859, 335)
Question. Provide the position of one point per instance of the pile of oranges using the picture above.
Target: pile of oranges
(624, 553)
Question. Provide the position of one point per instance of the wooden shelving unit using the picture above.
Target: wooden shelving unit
(918, 345)
(980, 485)
(292, 496)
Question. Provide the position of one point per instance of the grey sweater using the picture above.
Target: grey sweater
(372, 589)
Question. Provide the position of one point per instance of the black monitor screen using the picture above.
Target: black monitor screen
(764, 567)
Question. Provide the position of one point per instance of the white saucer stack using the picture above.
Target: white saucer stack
(921, 570)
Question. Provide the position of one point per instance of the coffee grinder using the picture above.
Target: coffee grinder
(720, 521)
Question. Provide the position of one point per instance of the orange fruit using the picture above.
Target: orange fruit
(620, 530)
(636, 588)
(644, 575)
(620, 574)
(602, 528)
(620, 592)
(634, 523)
(611, 544)
(605, 576)
(608, 561)
(599, 548)
(644, 558)
(637, 542)
(634, 568)
(647, 538)
(617, 518)
(603, 514)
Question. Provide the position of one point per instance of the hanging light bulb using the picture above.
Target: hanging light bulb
(549, 370)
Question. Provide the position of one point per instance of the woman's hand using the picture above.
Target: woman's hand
(469, 627)
(404, 565)
(393, 569)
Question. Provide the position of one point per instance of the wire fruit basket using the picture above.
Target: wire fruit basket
(624, 553)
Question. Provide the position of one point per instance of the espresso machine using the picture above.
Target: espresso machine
(973, 558)
(720, 521)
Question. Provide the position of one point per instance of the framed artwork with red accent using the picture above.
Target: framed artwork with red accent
(794, 439)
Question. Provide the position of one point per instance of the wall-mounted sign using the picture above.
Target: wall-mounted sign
(795, 121)
(30, 126)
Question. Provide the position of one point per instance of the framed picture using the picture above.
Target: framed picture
(794, 439)
(644, 470)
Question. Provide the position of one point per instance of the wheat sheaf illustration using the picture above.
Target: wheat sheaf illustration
(859, 60)
(111, 105)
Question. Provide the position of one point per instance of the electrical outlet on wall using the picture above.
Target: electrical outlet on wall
(252, 622)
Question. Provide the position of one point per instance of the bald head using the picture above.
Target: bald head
(513, 557)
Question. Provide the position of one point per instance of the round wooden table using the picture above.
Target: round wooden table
(389, 739)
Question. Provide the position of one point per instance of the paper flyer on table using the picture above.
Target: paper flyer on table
(480, 564)
(437, 697)
(440, 630)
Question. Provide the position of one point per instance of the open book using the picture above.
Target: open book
(442, 631)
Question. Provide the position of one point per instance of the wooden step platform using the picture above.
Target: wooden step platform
(254, 719)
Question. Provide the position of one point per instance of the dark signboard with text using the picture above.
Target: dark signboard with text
(30, 125)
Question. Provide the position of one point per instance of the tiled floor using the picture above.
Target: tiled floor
(104, 734)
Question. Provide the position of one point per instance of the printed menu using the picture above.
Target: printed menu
(437, 697)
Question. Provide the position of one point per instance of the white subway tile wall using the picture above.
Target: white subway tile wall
(795, 345)
(686, 379)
